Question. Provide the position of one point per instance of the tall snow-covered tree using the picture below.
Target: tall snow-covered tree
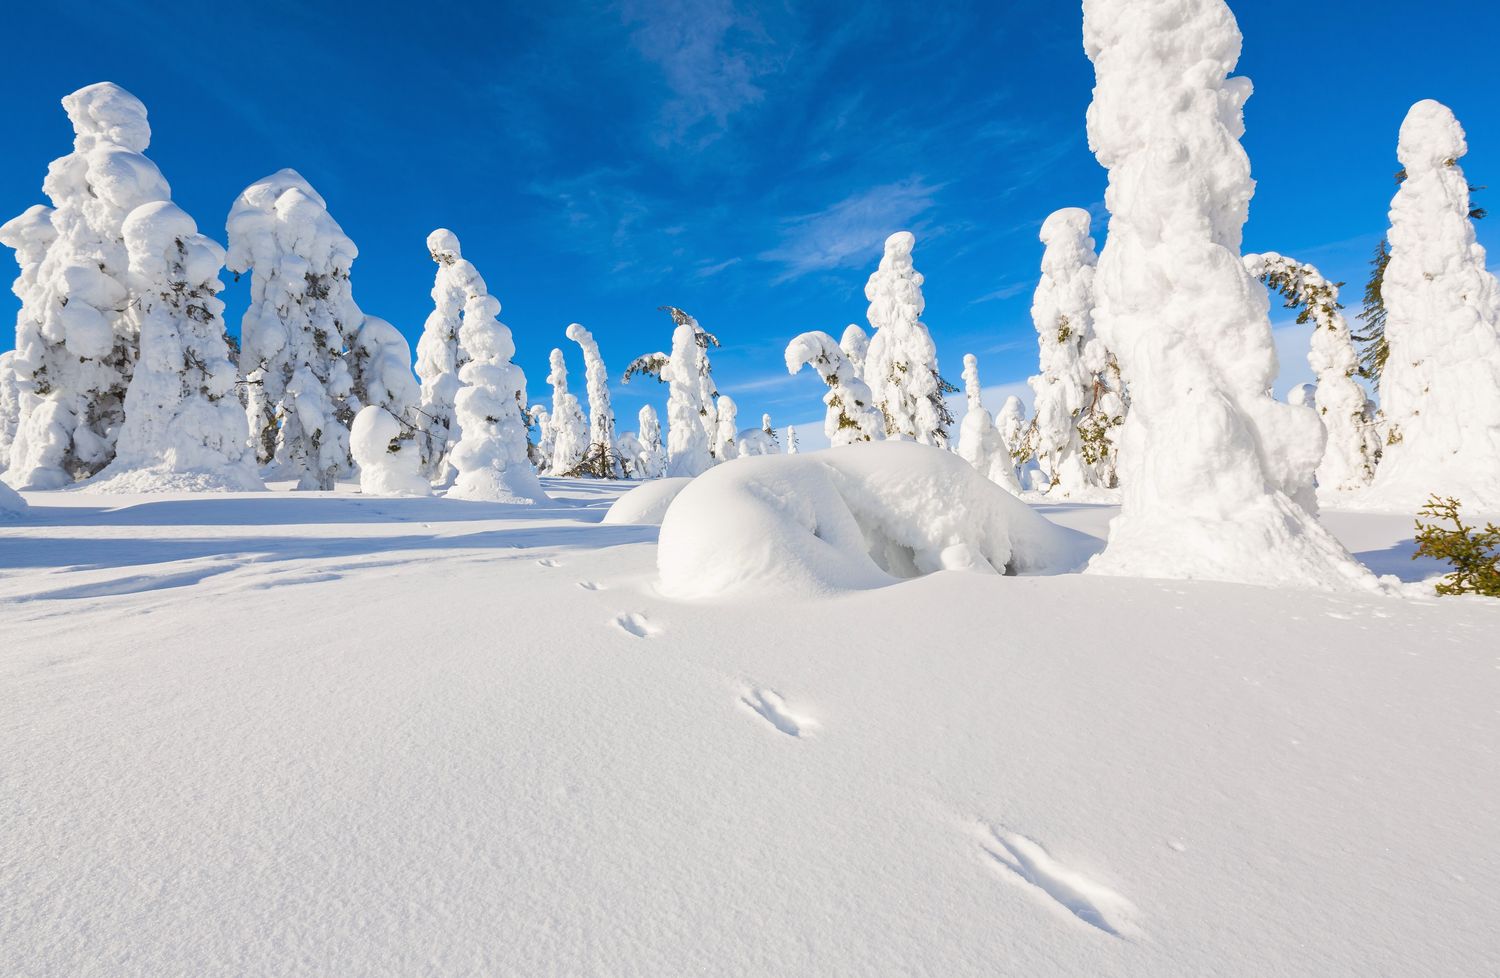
(791, 440)
(692, 418)
(10, 405)
(901, 366)
(727, 412)
(1217, 475)
(76, 347)
(856, 346)
(1338, 398)
(1015, 433)
(652, 462)
(541, 454)
(490, 458)
(1440, 390)
(601, 414)
(184, 427)
(708, 391)
(439, 354)
(851, 413)
(380, 370)
(30, 235)
(294, 334)
(979, 441)
(570, 436)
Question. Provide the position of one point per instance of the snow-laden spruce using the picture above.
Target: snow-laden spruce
(380, 370)
(758, 441)
(901, 365)
(1217, 474)
(851, 413)
(490, 458)
(791, 440)
(10, 405)
(1338, 398)
(727, 414)
(184, 426)
(1440, 390)
(692, 417)
(75, 347)
(570, 435)
(541, 449)
(651, 463)
(842, 520)
(30, 236)
(387, 453)
(855, 344)
(1015, 432)
(440, 355)
(979, 440)
(601, 414)
(294, 334)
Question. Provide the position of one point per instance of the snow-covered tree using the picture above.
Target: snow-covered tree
(184, 427)
(490, 457)
(10, 405)
(791, 440)
(1338, 398)
(294, 334)
(1015, 434)
(727, 412)
(901, 366)
(75, 345)
(541, 456)
(1217, 474)
(851, 413)
(387, 453)
(439, 354)
(570, 436)
(30, 234)
(652, 462)
(601, 414)
(692, 419)
(856, 346)
(1440, 390)
(758, 441)
(380, 370)
(979, 441)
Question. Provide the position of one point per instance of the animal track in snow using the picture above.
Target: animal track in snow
(770, 707)
(591, 586)
(637, 624)
(1028, 863)
(548, 562)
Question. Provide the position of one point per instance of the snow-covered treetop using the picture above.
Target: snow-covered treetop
(856, 346)
(283, 215)
(894, 291)
(106, 113)
(161, 234)
(1431, 137)
(443, 245)
(971, 382)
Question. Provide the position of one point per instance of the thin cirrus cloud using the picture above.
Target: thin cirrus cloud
(846, 234)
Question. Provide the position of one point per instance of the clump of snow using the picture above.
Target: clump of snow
(294, 333)
(569, 430)
(646, 504)
(1217, 475)
(1440, 389)
(388, 456)
(184, 426)
(380, 367)
(851, 413)
(901, 366)
(850, 519)
(855, 344)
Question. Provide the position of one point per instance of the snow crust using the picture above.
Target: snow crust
(847, 519)
(647, 503)
(1216, 474)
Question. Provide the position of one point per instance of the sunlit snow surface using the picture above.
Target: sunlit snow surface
(315, 734)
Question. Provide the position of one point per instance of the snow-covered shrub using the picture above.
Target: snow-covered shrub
(979, 441)
(1440, 389)
(1338, 398)
(439, 355)
(646, 504)
(759, 441)
(901, 366)
(184, 426)
(294, 334)
(570, 436)
(1217, 474)
(387, 453)
(1474, 553)
(75, 347)
(380, 369)
(727, 414)
(652, 461)
(490, 457)
(858, 518)
(601, 414)
(851, 413)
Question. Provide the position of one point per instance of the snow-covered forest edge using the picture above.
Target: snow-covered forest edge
(327, 656)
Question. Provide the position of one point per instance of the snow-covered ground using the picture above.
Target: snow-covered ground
(319, 734)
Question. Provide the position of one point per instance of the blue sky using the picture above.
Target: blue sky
(743, 161)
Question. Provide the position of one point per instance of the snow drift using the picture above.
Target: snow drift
(646, 504)
(847, 519)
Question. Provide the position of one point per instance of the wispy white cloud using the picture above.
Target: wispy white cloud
(1004, 292)
(850, 232)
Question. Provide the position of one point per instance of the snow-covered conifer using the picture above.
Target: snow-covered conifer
(294, 334)
(901, 366)
(851, 413)
(439, 354)
(1440, 389)
(791, 440)
(727, 413)
(10, 405)
(387, 453)
(707, 393)
(75, 346)
(1217, 475)
(570, 437)
(490, 457)
(652, 462)
(979, 441)
(1015, 435)
(856, 346)
(184, 426)
(691, 417)
(758, 441)
(541, 457)
(601, 414)
(1338, 398)
(380, 369)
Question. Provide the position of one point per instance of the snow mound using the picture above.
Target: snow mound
(847, 519)
(11, 503)
(646, 504)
